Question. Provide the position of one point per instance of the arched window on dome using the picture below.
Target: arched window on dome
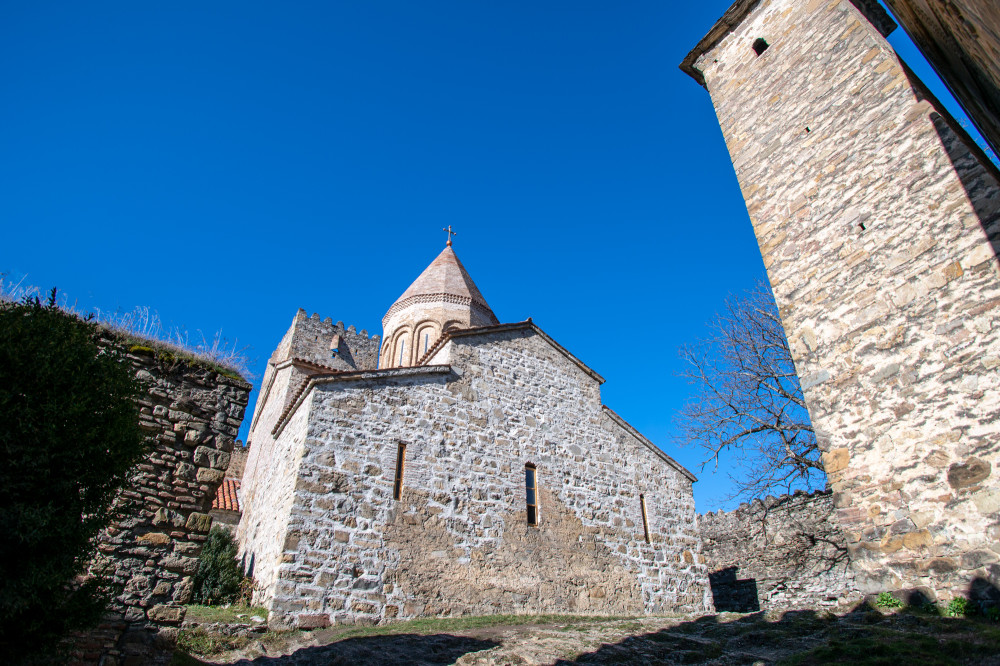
(399, 358)
(426, 336)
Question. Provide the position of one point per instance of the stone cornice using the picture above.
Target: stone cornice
(454, 299)
(725, 25)
(290, 362)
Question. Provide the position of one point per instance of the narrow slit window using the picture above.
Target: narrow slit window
(531, 493)
(427, 339)
(402, 348)
(645, 521)
(397, 486)
(760, 45)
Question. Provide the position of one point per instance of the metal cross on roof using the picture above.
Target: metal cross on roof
(450, 234)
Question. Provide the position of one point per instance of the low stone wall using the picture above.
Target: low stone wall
(777, 553)
(191, 414)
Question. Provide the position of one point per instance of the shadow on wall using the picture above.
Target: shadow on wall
(981, 591)
(434, 650)
(248, 567)
(731, 595)
(979, 176)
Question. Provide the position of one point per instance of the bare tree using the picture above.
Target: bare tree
(748, 402)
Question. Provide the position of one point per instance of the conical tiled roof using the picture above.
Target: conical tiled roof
(445, 275)
(446, 278)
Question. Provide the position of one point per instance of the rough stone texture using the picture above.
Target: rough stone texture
(192, 415)
(778, 553)
(875, 220)
(305, 350)
(961, 38)
(312, 340)
(237, 460)
(331, 545)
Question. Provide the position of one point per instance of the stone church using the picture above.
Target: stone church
(455, 466)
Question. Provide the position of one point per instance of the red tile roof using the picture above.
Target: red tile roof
(226, 498)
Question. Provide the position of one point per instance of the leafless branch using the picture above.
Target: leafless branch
(747, 401)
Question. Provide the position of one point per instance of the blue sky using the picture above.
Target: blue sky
(226, 163)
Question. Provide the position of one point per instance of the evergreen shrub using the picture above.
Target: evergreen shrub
(219, 579)
(69, 437)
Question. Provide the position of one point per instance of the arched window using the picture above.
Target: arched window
(399, 353)
(426, 336)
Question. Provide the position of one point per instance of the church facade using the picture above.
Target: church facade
(455, 466)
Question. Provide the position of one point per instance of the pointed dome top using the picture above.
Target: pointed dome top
(445, 275)
(442, 298)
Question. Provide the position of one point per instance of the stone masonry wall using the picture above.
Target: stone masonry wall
(877, 225)
(269, 475)
(266, 496)
(458, 542)
(782, 553)
(192, 415)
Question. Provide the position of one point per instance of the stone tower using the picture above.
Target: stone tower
(442, 299)
(876, 217)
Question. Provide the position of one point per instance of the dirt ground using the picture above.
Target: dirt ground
(861, 636)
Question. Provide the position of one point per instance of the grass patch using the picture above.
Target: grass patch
(227, 614)
(204, 643)
(174, 355)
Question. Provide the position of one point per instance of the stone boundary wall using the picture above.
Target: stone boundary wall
(191, 414)
(785, 552)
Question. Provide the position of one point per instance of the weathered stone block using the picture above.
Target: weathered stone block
(199, 522)
(208, 475)
(313, 621)
(166, 614)
(185, 565)
(207, 457)
(969, 473)
(184, 591)
(988, 502)
(154, 539)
